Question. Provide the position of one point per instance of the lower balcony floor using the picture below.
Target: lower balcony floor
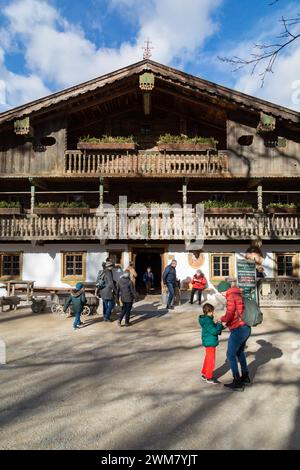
(150, 225)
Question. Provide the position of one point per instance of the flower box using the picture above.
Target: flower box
(283, 210)
(10, 210)
(181, 147)
(61, 210)
(106, 146)
(229, 210)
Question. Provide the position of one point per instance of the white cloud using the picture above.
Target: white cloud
(59, 52)
(16, 89)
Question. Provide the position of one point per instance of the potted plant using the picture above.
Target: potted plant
(10, 208)
(168, 142)
(106, 143)
(282, 208)
(62, 208)
(222, 207)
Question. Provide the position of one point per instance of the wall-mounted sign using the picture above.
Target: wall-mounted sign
(246, 277)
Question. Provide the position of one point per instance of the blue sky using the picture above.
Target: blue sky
(48, 45)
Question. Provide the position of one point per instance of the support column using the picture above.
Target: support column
(184, 191)
(32, 197)
(101, 192)
(260, 198)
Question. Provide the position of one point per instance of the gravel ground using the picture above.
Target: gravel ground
(105, 387)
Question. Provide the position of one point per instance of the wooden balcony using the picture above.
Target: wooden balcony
(146, 164)
(158, 226)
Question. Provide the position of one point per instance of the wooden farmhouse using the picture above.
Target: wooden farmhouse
(169, 138)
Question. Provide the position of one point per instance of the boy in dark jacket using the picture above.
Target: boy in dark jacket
(78, 300)
(126, 291)
(210, 333)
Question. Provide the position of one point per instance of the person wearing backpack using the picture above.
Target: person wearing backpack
(107, 291)
(78, 300)
(169, 279)
(239, 334)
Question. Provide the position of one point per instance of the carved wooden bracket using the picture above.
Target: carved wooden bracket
(147, 80)
(267, 123)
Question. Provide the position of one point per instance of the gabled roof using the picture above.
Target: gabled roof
(164, 72)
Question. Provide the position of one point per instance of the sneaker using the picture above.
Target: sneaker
(212, 381)
(128, 324)
(203, 377)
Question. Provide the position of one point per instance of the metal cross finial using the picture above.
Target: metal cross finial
(147, 49)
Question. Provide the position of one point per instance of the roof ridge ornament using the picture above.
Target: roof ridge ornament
(147, 54)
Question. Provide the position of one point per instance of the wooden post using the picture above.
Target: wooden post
(260, 198)
(101, 192)
(184, 191)
(32, 198)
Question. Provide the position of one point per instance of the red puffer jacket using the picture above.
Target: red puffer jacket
(234, 309)
(199, 282)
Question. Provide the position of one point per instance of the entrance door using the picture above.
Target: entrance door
(144, 259)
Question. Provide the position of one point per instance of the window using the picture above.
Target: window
(286, 265)
(222, 265)
(74, 265)
(10, 265)
(115, 256)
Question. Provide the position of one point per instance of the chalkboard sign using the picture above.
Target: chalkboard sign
(246, 277)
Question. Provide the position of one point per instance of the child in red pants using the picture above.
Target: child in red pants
(210, 333)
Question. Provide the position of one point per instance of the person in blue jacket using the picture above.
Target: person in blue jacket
(78, 300)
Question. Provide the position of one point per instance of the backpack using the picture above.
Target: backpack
(100, 283)
(252, 315)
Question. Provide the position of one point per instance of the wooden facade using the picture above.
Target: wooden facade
(43, 163)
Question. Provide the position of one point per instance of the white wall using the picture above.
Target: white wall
(43, 263)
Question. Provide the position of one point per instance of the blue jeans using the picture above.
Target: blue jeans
(236, 346)
(125, 312)
(171, 289)
(108, 306)
(77, 319)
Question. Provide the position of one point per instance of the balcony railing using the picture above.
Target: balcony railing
(279, 292)
(145, 226)
(145, 164)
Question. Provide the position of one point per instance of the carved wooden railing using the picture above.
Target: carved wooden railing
(145, 226)
(279, 292)
(145, 164)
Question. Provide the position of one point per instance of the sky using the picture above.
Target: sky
(49, 45)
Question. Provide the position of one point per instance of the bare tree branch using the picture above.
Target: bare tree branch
(267, 53)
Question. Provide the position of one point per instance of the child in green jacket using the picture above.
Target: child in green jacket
(210, 333)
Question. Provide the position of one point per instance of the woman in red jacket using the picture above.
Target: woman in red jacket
(199, 283)
(239, 334)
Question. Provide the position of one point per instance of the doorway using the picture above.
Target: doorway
(144, 258)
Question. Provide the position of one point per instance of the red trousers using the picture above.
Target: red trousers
(209, 362)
